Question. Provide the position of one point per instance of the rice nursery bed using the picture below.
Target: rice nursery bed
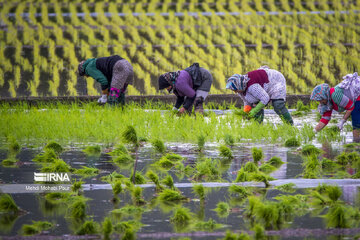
(215, 176)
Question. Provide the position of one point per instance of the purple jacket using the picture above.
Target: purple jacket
(184, 85)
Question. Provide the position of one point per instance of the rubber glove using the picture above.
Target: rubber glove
(175, 109)
(256, 109)
(340, 125)
(103, 99)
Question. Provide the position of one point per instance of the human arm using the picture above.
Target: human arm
(95, 73)
(340, 125)
(323, 121)
(179, 101)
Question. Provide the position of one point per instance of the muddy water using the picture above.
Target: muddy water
(156, 216)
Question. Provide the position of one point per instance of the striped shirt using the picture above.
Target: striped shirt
(341, 101)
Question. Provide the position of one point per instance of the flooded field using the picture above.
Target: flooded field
(206, 213)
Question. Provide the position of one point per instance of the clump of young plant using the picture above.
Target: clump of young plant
(169, 195)
(158, 146)
(114, 176)
(14, 146)
(136, 195)
(250, 167)
(292, 142)
(138, 179)
(242, 176)
(275, 161)
(130, 136)
(7, 204)
(288, 187)
(207, 226)
(338, 217)
(92, 150)
(222, 209)
(11, 161)
(309, 149)
(54, 146)
(48, 156)
(123, 159)
(181, 216)
(86, 171)
(312, 167)
(88, 228)
(199, 191)
(201, 142)
(116, 188)
(267, 168)
(169, 182)
(241, 191)
(165, 163)
(229, 139)
(77, 208)
(257, 154)
(328, 164)
(35, 228)
(58, 166)
(155, 179)
(261, 177)
(207, 169)
(267, 212)
(76, 186)
(107, 228)
(119, 150)
(259, 232)
(225, 152)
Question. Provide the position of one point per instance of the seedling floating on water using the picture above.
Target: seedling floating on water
(77, 186)
(107, 228)
(155, 179)
(267, 168)
(250, 167)
(171, 195)
(136, 194)
(14, 146)
(181, 216)
(169, 182)
(222, 209)
(225, 152)
(58, 166)
(199, 190)
(35, 228)
(54, 146)
(310, 150)
(289, 187)
(241, 191)
(92, 150)
(201, 142)
(130, 136)
(117, 187)
(7, 204)
(275, 161)
(292, 142)
(337, 217)
(87, 171)
(48, 156)
(119, 150)
(257, 154)
(229, 139)
(139, 179)
(158, 146)
(88, 228)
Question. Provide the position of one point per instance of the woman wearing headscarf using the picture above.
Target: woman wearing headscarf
(191, 87)
(343, 97)
(258, 88)
(114, 73)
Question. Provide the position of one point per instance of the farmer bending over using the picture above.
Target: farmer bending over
(343, 97)
(191, 85)
(113, 73)
(257, 88)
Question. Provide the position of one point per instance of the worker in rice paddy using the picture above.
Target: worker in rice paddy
(257, 89)
(114, 73)
(343, 97)
(191, 86)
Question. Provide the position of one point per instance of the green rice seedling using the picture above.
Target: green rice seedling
(351, 146)
(107, 228)
(48, 156)
(164, 163)
(342, 174)
(222, 209)
(328, 164)
(77, 209)
(92, 150)
(57, 197)
(139, 178)
(136, 195)
(201, 142)
(250, 167)
(309, 149)
(181, 216)
(254, 201)
(241, 191)
(275, 161)
(155, 179)
(76, 186)
(259, 232)
(174, 157)
(312, 167)
(257, 154)
(123, 159)
(334, 193)
(14, 146)
(242, 176)
(114, 176)
(199, 190)
(169, 182)
(54, 146)
(11, 161)
(58, 166)
(129, 234)
(158, 146)
(290, 205)
(88, 228)
(207, 169)
(356, 175)
(261, 177)
(118, 150)
(292, 142)
(267, 212)
(288, 187)
(230, 235)
(207, 226)
(7, 204)
(267, 168)
(117, 187)
(301, 107)
(129, 210)
(35, 228)
(342, 159)
(337, 217)
(225, 152)
(353, 157)
(86, 171)
(130, 136)
(169, 195)
(229, 139)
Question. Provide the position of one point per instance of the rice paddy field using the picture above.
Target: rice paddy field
(144, 172)
(217, 176)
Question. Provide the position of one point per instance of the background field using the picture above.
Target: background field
(42, 41)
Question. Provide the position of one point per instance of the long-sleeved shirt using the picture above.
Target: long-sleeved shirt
(341, 100)
(274, 89)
